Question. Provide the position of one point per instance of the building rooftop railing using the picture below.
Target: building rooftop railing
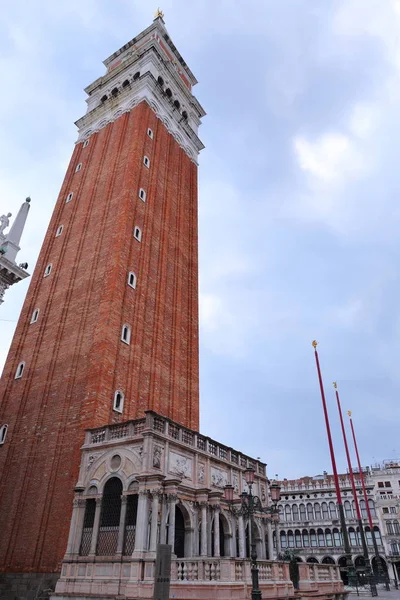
(167, 428)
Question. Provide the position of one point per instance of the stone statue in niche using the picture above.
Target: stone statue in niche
(236, 483)
(263, 496)
(157, 457)
(4, 223)
(201, 474)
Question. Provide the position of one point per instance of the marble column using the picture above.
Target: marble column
(233, 545)
(75, 530)
(242, 538)
(203, 542)
(96, 525)
(270, 540)
(216, 531)
(142, 521)
(171, 523)
(154, 521)
(278, 538)
(164, 515)
(121, 531)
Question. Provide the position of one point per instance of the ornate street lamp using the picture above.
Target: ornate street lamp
(250, 505)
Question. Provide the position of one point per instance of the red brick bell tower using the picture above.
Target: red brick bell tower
(109, 327)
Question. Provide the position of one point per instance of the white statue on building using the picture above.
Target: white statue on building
(4, 223)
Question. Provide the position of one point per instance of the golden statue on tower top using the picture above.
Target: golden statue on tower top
(159, 14)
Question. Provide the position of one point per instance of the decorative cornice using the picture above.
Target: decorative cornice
(145, 88)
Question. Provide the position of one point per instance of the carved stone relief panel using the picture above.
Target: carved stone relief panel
(219, 478)
(157, 455)
(180, 465)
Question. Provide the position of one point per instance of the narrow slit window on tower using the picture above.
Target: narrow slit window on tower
(3, 433)
(146, 162)
(132, 279)
(160, 80)
(142, 194)
(184, 114)
(177, 104)
(20, 370)
(126, 83)
(69, 197)
(118, 401)
(150, 133)
(103, 98)
(85, 143)
(114, 92)
(47, 270)
(137, 234)
(78, 167)
(59, 230)
(35, 315)
(136, 75)
(168, 93)
(126, 334)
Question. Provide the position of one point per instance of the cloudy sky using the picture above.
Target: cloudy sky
(298, 200)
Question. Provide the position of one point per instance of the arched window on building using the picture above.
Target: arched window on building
(290, 538)
(371, 505)
(283, 539)
(313, 538)
(306, 538)
(352, 537)
(109, 518)
(297, 538)
(126, 334)
(337, 537)
(358, 536)
(396, 527)
(363, 509)
(368, 536)
(389, 527)
(303, 513)
(281, 513)
(328, 537)
(378, 536)
(3, 434)
(321, 538)
(317, 511)
(347, 510)
(310, 512)
(325, 513)
(332, 510)
(295, 512)
(20, 370)
(288, 513)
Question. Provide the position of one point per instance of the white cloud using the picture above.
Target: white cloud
(330, 158)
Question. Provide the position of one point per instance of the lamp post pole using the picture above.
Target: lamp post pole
(250, 505)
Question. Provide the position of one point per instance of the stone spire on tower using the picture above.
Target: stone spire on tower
(10, 272)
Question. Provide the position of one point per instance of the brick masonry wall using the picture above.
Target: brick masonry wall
(73, 354)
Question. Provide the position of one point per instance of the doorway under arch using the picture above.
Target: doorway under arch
(179, 545)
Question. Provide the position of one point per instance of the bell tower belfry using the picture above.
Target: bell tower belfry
(109, 327)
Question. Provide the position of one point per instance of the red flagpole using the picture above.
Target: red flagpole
(353, 486)
(381, 573)
(328, 428)
(346, 543)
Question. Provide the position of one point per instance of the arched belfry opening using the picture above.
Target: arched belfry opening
(179, 546)
(109, 518)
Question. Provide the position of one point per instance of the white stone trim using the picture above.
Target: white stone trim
(137, 233)
(143, 90)
(20, 370)
(59, 230)
(132, 275)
